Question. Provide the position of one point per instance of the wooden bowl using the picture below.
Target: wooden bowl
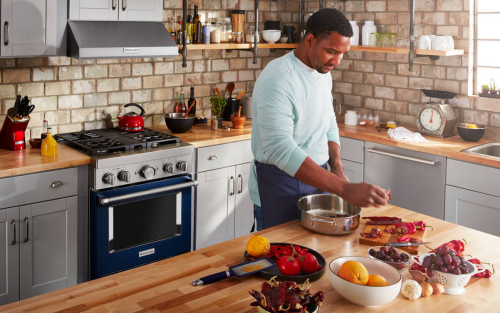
(238, 121)
(36, 142)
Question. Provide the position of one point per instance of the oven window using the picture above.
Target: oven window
(140, 222)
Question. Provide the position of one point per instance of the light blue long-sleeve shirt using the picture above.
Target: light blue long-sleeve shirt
(293, 118)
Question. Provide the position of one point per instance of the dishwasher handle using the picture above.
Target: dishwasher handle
(404, 157)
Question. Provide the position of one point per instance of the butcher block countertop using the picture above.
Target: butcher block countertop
(166, 286)
(30, 160)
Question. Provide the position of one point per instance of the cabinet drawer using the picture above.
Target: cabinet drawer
(213, 157)
(352, 149)
(474, 177)
(26, 189)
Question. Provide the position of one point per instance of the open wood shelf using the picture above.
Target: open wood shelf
(407, 50)
(235, 46)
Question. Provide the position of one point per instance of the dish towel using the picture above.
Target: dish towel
(403, 134)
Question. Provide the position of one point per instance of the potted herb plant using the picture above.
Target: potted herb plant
(493, 86)
(485, 88)
(218, 103)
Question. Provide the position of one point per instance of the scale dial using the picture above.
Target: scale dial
(430, 119)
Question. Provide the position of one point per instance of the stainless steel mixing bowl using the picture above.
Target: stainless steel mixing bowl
(311, 206)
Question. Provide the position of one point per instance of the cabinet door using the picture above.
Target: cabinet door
(48, 246)
(215, 206)
(94, 10)
(29, 27)
(9, 255)
(353, 171)
(472, 209)
(243, 212)
(141, 10)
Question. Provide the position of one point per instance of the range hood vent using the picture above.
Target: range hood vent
(119, 40)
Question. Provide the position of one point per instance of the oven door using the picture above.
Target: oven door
(135, 225)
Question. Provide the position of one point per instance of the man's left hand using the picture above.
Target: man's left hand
(338, 169)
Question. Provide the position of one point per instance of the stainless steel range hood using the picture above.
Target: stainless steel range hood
(119, 40)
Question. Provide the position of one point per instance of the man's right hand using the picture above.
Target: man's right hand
(364, 195)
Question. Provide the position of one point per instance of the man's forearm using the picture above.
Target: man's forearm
(314, 175)
(334, 152)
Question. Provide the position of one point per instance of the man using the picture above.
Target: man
(295, 133)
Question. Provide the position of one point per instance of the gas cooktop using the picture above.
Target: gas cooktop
(105, 141)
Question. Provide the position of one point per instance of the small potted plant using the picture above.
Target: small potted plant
(493, 86)
(218, 103)
(485, 88)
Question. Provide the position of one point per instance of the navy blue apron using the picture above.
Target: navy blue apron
(279, 193)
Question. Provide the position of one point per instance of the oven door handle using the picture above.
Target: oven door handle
(191, 183)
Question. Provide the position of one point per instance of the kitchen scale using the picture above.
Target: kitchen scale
(436, 118)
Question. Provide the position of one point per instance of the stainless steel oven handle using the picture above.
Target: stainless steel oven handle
(404, 157)
(191, 183)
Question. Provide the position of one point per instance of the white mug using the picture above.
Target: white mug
(439, 43)
(450, 44)
(424, 43)
(432, 38)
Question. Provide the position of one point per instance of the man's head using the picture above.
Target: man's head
(327, 38)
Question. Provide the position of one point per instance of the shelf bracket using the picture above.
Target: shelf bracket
(255, 48)
(432, 57)
(184, 34)
(412, 35)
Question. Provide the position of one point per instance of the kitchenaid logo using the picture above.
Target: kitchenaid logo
(146, 252)
(131, 50)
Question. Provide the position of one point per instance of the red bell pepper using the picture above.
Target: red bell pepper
(416, 267)
(479, 265)
(406, 228)
(457, 245)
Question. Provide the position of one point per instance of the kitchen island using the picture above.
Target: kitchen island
(165, 286)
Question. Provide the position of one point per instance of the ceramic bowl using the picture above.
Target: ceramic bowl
(470, 134)
(35, 142)
(367, 295)
(177, 124)
(271, 35)
(400, 266)
(283, 39)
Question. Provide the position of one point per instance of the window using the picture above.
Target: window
(487, 43)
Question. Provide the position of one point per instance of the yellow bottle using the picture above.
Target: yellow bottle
(49, 144)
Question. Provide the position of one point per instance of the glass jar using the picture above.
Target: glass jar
(214, 122)
(238, 18)
(215, 32)
(226, 29)
(250, 33)
(237, 37)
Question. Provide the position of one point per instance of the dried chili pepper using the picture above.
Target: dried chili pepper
(416, 267)
(479, 265)
(406, 228)
(406, 239)
(457, 245)
(382, 220)
(420, 225)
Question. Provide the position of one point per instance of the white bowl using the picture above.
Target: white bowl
(271, 35)
(283, 39)
(367, 295)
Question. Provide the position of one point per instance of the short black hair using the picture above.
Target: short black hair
(326, 21)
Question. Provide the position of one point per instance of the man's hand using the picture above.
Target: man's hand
(364, 195)
(338, 169)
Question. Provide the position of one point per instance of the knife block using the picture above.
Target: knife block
(12, 133)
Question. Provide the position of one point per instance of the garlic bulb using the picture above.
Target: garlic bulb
(411, 289)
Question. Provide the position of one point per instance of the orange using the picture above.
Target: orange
(258, 246)
(376, 281)
(354, 272)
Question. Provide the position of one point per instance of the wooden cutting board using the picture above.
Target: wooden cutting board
(388, 238)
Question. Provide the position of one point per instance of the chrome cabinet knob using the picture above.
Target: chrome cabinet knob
(109, 179)
(182, 165)
(169, 168)
(148, 172)
(124, 176)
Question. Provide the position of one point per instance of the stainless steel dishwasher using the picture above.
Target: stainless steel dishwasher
(416, 179)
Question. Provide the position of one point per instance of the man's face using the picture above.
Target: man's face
(326, 52)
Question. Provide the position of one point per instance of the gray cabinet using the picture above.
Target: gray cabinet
(243, 213)
(114, 10)
(33, 27)
(352, 156)
(353, 171)
(473, 209)
(48, 246)
(9, 255)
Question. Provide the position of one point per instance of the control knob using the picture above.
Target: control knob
(109, 179)
(169, 168)
(182, 165)
(124, 176)
(148, 172)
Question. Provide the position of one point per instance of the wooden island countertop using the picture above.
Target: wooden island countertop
(166, 286)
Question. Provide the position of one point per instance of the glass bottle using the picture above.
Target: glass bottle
(192, 112)
(173, 28)
(189, 29)
(179, 34)
(197, 25)
(250, 34)
(49, 144)
(181, 106)
(45, 126)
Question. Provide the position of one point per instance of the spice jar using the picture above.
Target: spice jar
(215, 32)
(237, 37)
(226, 29)
(238, 18)
(250, 34)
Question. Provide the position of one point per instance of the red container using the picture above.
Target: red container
(12, 133)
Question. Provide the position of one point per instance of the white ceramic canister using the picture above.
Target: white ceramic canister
(355, 30)
(368, 28)
(351, 118)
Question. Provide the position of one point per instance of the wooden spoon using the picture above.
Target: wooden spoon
(240, 95)
(190, 107)
(230, 88)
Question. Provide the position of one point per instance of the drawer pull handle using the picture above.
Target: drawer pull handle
(124, 5)
(6, 33)
(240, 183)
(212, 157)
(56, 184)
(27, 238)
(404, 157)
(231, 186)
(13, 223)
(114, 4)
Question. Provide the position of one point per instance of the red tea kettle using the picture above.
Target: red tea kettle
(131, 121)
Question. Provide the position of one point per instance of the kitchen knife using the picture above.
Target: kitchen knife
(406, 244)
(239, 270)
